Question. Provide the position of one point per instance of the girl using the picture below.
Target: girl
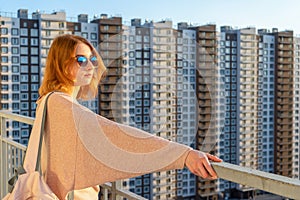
(81, 149)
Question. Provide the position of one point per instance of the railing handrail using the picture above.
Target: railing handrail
(273, 183)
(17, 117)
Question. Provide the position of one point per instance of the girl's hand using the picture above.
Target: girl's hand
(198, 163)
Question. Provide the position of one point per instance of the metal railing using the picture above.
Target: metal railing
(12, 154)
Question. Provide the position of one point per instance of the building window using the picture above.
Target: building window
(24, 106)
(24, 50)
(34, 96)
(24, 68)
(4, 96)
(15, 78)
(15, 87)
(34, 60)
(24, 87)
(15, 97)
(15, 50)
(15, 59)
(93, 36)
(4, 59)
(24, 32)
(4, 68)
(4, 87)
(4, 40)
(4, 31)
(24, 96)
(24, 78)
(33, 105)
(34, 87)
(48, 42)
(95, 44)
(24, 59)
(15, 69)
(4, 50)
(106, 27)
(34, 32)
(24, 133)
(15, 31)
(5, 106)
(61, 24)
(15, 106)
(24, 41)
(48, 33)
(48, 23)
(85, 35)
(34, 51)
(34, 69)
(34, 42)
(4, 77)
(34, 78)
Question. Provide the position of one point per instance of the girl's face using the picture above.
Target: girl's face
(83, 67)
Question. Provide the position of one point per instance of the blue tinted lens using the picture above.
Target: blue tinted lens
(82, 61)
(94, 61)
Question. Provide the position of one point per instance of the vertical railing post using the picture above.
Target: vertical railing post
(113, 191)
(2, 164)
(105, 194)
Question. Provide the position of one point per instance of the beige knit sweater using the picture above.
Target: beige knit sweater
(82, 150)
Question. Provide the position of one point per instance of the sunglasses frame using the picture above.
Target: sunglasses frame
(83, 64)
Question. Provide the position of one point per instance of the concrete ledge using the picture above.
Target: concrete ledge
(276, 184)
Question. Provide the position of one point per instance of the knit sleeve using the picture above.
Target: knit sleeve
(139, 151)
(105, 151)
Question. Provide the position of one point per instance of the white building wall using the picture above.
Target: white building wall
(163, 104)
(266, 103)
(296, 110)
(8, 60)
(187, 100)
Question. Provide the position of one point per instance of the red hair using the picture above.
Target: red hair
(58, 76)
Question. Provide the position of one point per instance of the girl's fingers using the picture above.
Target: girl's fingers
(213, 158)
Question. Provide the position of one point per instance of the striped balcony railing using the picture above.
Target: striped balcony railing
(12, 154)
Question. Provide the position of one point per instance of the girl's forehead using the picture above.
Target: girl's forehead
(83, 48)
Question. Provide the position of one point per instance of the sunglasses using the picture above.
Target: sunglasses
(83, 61)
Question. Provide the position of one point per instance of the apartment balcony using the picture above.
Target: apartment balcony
(12, 154)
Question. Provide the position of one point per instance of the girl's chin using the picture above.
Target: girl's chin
(82, 84)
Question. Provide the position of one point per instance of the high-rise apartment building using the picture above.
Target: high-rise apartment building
(239, 68)
(110, 48)
(284, 76)
(266, 98)
(136, 90)
(207, 90)
(296, 110)
(89, 31)
(20, 70)
(163, 113)
(187, 110)
(161, 75)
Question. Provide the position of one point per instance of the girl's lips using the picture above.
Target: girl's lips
(88, 75)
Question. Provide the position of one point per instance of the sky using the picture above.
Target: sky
(281, 14)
